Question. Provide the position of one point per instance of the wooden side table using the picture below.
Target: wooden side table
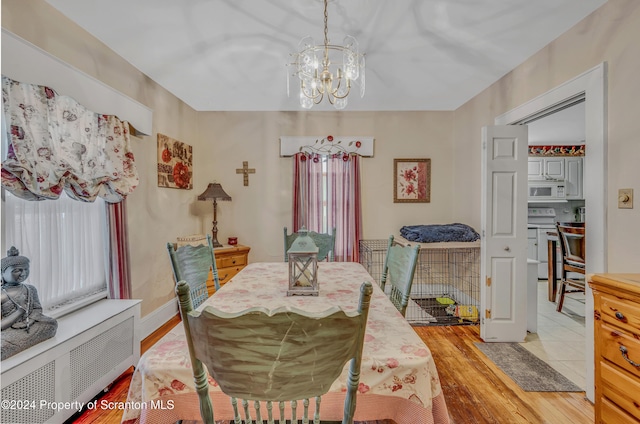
(229, 261)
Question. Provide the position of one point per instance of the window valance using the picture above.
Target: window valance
(57, 144)
(326, 145)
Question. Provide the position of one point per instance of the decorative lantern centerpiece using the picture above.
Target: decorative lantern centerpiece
(303, 266)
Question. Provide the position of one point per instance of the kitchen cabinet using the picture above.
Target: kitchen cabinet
(617, 347)
(541, 168)
(573, 177)
(567, 169)
(532, 244)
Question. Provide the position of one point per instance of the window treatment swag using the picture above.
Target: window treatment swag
(56, 144)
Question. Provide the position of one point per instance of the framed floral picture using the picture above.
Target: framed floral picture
(411, 180)
(175, 163)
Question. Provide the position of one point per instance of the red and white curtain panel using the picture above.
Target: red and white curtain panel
(334, 189)
(118, 261)
(57, 144)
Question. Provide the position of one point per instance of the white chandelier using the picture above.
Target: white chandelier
(327, 70)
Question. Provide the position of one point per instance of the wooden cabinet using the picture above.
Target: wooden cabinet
(229, 261)
(617, 347)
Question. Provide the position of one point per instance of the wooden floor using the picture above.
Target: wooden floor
(475, 389)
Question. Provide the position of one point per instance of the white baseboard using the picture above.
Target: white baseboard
(151, 322)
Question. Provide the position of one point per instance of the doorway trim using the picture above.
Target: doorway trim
(591, 84)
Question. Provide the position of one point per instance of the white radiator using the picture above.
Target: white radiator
(51, 381)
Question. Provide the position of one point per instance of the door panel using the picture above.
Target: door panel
(503, 220)
(504, 234)
(502, 271)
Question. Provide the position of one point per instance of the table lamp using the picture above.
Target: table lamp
(214, 192)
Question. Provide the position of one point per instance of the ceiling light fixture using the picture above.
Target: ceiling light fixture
(327, 70)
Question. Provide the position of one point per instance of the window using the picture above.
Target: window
(65, 241)
(327, 196)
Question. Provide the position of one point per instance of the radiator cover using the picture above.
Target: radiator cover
(91, 349)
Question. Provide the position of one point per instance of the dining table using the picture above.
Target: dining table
(398, 379)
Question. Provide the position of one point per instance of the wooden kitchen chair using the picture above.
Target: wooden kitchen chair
(193, 264)
(263, 358)
(399, 269)
(325, 242)
(572, 247)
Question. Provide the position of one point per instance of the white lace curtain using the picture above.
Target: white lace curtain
(56, 145)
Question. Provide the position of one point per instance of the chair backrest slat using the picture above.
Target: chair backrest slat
(325, 242)
(399, 270)
(572, 242)
(281, 355)
(193, 264)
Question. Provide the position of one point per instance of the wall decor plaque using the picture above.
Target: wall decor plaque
(175, 163)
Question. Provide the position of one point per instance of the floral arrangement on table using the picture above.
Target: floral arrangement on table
(328, 146)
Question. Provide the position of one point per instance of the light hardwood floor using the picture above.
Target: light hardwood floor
(475, 389)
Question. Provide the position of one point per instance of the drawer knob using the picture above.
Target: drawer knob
(625, 355)
(620, 315)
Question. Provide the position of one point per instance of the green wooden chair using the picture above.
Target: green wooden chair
(265, 361)
(192, 264)
(399, 269)
(326, 244)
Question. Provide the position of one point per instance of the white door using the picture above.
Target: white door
(503, 266)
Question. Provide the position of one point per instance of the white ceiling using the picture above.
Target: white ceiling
(230, 54)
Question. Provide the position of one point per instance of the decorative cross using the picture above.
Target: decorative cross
(245, 170)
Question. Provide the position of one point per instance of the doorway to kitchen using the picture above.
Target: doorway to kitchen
(556, 189)
(590, 86)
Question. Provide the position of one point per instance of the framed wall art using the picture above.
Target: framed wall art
(175, 163)
(411, 180)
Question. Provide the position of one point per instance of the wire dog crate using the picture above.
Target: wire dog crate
(446, 284)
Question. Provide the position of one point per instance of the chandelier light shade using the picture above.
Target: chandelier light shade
(215, 192)
(327, 71)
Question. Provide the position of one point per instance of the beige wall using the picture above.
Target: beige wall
(221, 142)
(155, 215)
(610, 35)
(258, 212)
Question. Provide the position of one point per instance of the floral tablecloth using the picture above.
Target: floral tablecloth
(398, 378)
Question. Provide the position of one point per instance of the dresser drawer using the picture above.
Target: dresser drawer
(621, 389)
(620, 312)
(611, 414)
(612, 340)
(231, 261)
(226, 274)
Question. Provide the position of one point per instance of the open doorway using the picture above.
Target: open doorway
(591, 86)
(557, 138)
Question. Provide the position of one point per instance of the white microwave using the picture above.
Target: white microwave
(546, 190)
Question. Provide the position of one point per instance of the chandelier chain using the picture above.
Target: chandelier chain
(326, 20)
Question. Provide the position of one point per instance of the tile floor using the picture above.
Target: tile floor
(560, 340)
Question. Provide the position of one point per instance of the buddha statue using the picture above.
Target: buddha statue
(23, 324)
